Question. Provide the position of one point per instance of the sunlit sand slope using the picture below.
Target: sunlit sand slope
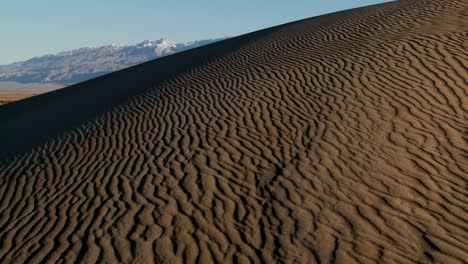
(341, 138)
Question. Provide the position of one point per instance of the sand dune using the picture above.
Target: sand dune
(6, 98)
(11, 91)
(340, 138)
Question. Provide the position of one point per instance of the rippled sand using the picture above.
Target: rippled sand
(340, 138)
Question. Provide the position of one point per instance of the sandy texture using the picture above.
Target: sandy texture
(340, 138)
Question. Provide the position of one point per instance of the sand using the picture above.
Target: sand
(340, 138)
(13, 91)
(6, 98)
(32, 88)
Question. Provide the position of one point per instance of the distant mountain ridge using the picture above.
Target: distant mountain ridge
(81, 64)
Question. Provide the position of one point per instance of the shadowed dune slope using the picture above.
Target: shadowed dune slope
(340, 138)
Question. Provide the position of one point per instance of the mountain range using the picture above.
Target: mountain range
(78, 65)
(340, 138)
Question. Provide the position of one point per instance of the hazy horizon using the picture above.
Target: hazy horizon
(54, 26)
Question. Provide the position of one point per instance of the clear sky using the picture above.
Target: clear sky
(32, 28)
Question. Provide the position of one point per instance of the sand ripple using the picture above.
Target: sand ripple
(341, 138)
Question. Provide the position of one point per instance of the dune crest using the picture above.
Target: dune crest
(340, 138)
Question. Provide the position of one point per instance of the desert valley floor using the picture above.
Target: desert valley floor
(340, 138)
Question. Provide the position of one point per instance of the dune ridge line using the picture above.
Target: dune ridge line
(335, 139)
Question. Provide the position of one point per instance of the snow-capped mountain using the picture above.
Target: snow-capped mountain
(85, 63)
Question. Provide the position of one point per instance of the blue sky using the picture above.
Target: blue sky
(36, 27)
